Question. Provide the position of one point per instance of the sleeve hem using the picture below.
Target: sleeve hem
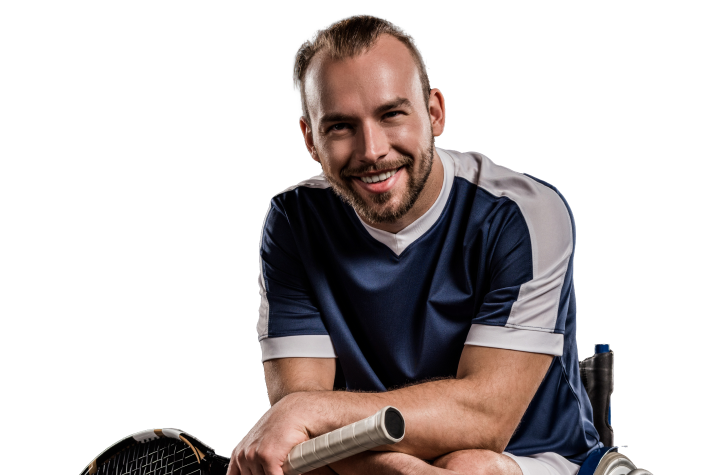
(299, 346)
(516, 339)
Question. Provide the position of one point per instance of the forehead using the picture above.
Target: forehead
(359, 84)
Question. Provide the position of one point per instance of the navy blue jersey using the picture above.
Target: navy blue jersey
(489, 264)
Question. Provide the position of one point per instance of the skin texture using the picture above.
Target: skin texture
(368, 116)
(484, 404)
(285, 376)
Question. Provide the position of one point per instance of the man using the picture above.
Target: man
(430, 280)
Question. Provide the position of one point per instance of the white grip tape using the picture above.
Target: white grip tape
(341, 443)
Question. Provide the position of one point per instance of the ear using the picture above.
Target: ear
(308, 138)
(436, 108)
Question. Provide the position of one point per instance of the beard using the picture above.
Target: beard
(371, 209)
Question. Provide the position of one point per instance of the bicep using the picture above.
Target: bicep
(506, 379)
(287, 375)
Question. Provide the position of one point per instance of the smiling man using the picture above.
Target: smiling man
(430, 280)
(390, 183)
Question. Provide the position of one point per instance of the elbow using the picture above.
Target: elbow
(496, 442)
(499, 444)
(502, 435)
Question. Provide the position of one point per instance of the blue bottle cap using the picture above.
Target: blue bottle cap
(602, 349)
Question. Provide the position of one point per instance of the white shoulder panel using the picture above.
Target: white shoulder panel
(300, 346)
(317, 181)
(550, 231)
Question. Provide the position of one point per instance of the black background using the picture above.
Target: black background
(191, 126)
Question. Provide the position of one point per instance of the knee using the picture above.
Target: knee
(478, 462)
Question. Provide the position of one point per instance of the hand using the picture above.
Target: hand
(264, 449)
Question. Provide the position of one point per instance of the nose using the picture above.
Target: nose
(374, 142)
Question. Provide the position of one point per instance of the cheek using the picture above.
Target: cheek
(409, 138)
(332, 159)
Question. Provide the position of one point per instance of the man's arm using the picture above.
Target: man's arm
(479, 409)
(284, 376)
(289, 375)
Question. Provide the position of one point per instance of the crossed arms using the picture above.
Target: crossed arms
(479, 409)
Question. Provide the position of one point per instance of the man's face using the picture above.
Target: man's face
(371, 129)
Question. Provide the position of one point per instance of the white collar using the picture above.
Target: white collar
(399, 241)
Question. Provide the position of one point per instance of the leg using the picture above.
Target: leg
(478, 462)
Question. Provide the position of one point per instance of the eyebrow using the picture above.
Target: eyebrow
(394, 104)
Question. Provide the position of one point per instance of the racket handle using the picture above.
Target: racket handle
(387, 426)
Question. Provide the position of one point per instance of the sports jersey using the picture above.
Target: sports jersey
(489, 264)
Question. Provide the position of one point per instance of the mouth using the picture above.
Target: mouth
(377, 178)
(379, 182)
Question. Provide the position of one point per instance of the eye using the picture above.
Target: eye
(337, 127)
(391, 114)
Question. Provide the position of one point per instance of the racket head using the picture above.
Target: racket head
(158, 452)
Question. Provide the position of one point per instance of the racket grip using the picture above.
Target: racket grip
(387, 426)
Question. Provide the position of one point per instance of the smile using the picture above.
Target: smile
(378, 178)
(380, 183)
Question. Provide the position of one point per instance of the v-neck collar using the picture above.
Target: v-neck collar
(398, 242)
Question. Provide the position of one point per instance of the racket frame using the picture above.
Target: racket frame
(200, 450)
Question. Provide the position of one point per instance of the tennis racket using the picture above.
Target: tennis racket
(174, 452)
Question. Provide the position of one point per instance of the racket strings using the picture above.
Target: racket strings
(157, 457)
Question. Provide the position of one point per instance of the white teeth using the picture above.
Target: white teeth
(377, 178)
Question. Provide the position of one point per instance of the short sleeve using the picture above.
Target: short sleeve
(529, 249)
(290, 324)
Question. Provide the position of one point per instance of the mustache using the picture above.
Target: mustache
(401, 161)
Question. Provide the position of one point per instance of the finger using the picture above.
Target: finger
(232, 466)
(261, 467)
(269, 470)
(243, 464)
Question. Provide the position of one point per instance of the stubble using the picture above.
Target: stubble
(371, 209)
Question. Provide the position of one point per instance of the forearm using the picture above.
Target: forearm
(435, 425)
(385, 463)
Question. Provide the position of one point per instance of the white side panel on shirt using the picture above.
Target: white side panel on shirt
(263, 319)
(285, 347)
(550, 232)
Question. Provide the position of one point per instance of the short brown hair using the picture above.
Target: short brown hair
(347, 38)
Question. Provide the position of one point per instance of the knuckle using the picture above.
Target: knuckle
(264, 454)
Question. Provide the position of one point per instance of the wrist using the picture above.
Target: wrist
(312, 409)
(325, 411)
